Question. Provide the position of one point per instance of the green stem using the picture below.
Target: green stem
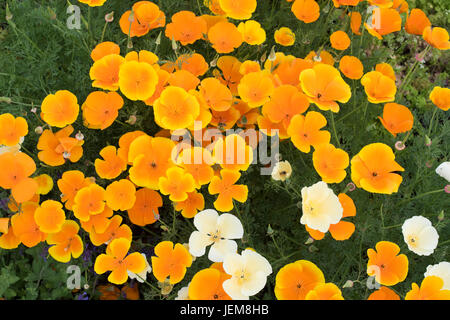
(431, 122)
(333, 126)
(103, 32)
(421, 195)
(410, 72)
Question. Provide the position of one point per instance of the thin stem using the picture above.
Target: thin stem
(333, 126)
(431, 122)
(421, 195)
(411, 71)
(103, 32)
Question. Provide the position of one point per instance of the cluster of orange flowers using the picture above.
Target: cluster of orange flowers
(274, 96)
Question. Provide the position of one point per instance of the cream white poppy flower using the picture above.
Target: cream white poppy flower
(441, 270)
(281, 171)
(420, 236)
(444, 170)
(183, 293)
(142, 276)
(249, 271)
(320, 206)
(216, 230)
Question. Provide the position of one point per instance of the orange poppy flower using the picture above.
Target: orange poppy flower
(98, 222)
(401, 5)
(381, 3)
(14, 174)
(70, 183)
(233, 153)
(170, 261)
(227, 190)
(306, 10)
(50, 216)
(4, 225)
(373, 169)
(108, 292)
(324, 86)
(45, 184)
(249, 66)
(388, 267)
(238, 10)
(338, 3)
(378, 87)
(146, 207)
(212, 20)
(436, 37)
(137, 80)
(60, 109)
(342, 230)
(325, 291)
(117, 261)
(146, 16)
(305, 131)
(355, 22)
(114, 231)
(175, 108)
(256, 88)
(225, 37)
(151, 158)
(163, 82)
(288, 69)
(112, 164)
(217, 96)
(324, 57)
(252, 32)
(416, 22)
(12, 129)
(386, 69)
(440, 97)
(284, 36)
(224, 120)
(214, 6)
(384, 293)
(193, 204)
(177, 184)
(330, 163)
(93, 3)
(143, 56)
(183, 79)
(351, 67)
(296, 279)
(24, 226)
(384, 21)
(105, 72)
(396, 118)
(89, 201)
(195, 63)
(125, 142)
(430, 289)
(270, 128)
(103, 49)
(207, 284)
(14, 206)
(340, 40)
(229, 74)
(66, 243)
(101, 109)
(120, 195)
(286, 102)
(8, 240)
(197, 161)
(186, 27)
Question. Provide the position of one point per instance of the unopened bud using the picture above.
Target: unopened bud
(9, 15)
(348, 284)
(427, 141)
(79, 136)
(174, 45)
(272, 55)
(131, 17)
(5, 100)
(38, 130)
(441, 215)
(269, 230)
(263, 57)
(164, 228)
(313, 248)
(66, 155)
(132, 119)
(158, 39)
(109, 17)
(309, 241)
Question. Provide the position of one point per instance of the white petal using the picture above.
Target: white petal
(428, 238)
(233, 289)
(254, 262)
(414, 225)
(443, 170)
(441, 270)
(254, 284)
(233, 262)
(220, 249)
(230, 226)
(206, 221)
(198, 243)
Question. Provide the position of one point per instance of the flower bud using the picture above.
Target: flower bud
(348, 284)
(109, 17)
(38, 130)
